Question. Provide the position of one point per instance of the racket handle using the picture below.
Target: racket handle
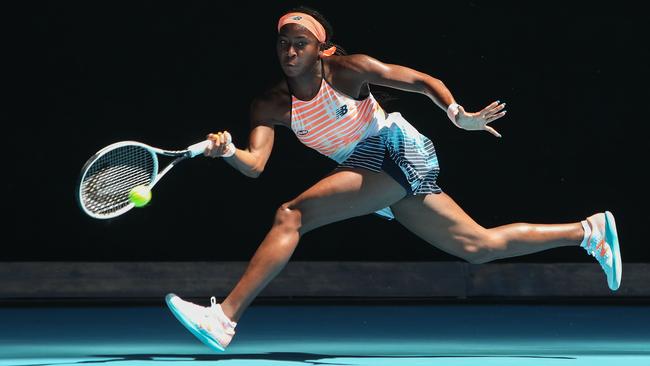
(198, 148)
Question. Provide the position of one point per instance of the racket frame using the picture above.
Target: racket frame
(189, 152)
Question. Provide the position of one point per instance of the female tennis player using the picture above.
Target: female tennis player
(385, 167)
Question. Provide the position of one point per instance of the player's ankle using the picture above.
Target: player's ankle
(587, 233)
(229, 311)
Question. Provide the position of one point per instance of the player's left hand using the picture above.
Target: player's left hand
(479, 120)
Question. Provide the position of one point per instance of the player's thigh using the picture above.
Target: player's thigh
(441, 222)
(343, 194)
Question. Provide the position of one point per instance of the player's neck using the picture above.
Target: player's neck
(306, 85)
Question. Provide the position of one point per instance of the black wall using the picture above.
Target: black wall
(574, 79)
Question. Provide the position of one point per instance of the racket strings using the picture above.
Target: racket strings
(108, 181)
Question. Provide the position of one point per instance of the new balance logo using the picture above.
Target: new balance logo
(341, 111)
(303, 132)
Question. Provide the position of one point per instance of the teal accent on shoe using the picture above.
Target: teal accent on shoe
(199, 333)
(611, 237)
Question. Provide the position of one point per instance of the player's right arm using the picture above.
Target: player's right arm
(265, 113)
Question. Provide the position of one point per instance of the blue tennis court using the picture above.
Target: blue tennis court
(358, 334)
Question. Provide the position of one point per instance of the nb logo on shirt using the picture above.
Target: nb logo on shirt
(341, 111)
(303, 132)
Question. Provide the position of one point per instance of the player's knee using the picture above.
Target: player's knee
(484, 248)
(288, 217)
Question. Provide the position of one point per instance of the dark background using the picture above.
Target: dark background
(575, 81)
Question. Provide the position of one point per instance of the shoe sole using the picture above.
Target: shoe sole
(199, 333)
(611, 237)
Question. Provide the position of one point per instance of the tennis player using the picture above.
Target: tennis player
(385, 167)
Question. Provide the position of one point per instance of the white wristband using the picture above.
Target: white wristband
(452, 111)
(230, 150)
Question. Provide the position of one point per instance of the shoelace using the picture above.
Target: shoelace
(601, 251)
(212, 314)
(230, 324)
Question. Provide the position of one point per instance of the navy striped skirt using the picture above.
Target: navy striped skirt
(403, 153)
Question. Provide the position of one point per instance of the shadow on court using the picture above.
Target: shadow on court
(306, 358)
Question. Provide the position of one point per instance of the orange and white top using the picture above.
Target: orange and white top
(333, 123)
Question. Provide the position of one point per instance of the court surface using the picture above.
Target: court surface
(356, 334)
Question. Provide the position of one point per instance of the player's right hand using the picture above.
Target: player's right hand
(220, 145)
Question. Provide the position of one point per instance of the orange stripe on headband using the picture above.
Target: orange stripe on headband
(306, 21)
(311, 24)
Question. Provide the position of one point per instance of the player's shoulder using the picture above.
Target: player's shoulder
(273, 105)
(277, 96)
(354, 63)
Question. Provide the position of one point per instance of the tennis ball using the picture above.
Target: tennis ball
(140, 195)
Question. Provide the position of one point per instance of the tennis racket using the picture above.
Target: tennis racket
(108, 176)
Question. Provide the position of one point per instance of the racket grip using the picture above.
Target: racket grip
(198, 148)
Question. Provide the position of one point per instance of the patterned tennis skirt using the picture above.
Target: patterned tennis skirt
(402, 152)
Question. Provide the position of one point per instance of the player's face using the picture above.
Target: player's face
(297, 49)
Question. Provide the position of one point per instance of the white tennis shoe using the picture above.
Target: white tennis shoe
(603, 245)
(208, 323)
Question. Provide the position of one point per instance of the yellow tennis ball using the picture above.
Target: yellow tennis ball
(140, 195)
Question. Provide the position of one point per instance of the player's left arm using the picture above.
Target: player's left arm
(404, 78)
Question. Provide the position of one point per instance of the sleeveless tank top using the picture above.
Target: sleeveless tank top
(333, 123)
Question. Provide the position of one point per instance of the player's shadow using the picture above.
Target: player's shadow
(306, 358)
